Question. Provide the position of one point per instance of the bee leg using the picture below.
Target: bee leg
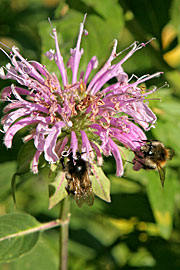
(63, 163)
(67, 189)
(145, 166)
(89, 169)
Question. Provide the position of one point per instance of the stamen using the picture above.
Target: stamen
(5, 52)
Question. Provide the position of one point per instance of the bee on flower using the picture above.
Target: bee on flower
(79, 115)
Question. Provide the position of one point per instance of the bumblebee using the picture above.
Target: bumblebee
(153, 155)
(77, 175)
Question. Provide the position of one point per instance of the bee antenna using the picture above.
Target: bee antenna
(129, 162)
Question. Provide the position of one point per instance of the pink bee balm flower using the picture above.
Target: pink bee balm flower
(78, 115)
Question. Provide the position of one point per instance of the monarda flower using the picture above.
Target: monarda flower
(78, 115)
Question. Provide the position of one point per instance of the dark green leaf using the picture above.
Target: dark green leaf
(14, 246)
(156, 15)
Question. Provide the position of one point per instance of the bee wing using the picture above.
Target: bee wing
(161, 172)
(77, 191)
(84, 192)
(89, 198)
(171, 153)
(79, 200)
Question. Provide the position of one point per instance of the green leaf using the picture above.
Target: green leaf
(44, 256)
(123, 185)
(6, 170)
(25, 157)
(13, 187)
(109, 9)
(100, 183)
(57, 190)
(173, 78)
(167, 130)
(162, 202)
(13, 246)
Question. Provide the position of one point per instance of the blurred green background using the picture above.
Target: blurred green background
(140, 228)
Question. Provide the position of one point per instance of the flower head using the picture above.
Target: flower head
(78, 115)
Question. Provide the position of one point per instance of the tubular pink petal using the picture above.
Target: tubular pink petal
(98, 153)
(86, 146)
(32, 70)
(74, 144)
(13, 105)
(93, 63)
(22, 91)
(34, 167)
(81, 76)
(13, 116)
(141, 114)
(39, 67)
(25, 104)
(77, 53)
(6, 92)
(39, 137)
(50, 142)
(104, 68)
(16, 127)
(112, 87)
(15, 93)
(117, 156)
(132, 139)
(59, 60)
(62, 146)
(114, 71)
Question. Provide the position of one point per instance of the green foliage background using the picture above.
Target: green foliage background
(140, 228)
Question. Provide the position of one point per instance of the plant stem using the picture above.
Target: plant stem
(64, 234)
(39, 227)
